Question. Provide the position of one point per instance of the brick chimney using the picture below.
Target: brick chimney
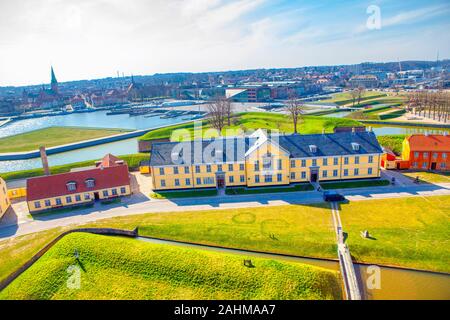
(44, 160)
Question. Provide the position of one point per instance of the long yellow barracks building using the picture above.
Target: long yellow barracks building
(263, 160)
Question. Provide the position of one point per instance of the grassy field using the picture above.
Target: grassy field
(344, 98)
(52, 136)
(384, 112)
(354, 184)
(243, 190)
(132, 160)
(120, 268)
(390, 100)
(393, 142)
(410, 232)
(429, 177)
(304, 230)
(256, 120)
(183, 194)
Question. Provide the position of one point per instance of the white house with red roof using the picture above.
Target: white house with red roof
(109, 179)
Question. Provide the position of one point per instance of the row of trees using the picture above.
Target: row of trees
(220, 112)
(433, 105)
(356, 95)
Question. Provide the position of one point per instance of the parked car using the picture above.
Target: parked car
(330, 196)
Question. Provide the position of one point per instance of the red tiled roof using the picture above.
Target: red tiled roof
(432, 142)
(55, 185)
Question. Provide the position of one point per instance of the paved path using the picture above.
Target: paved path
(345, 259)
(17, 221)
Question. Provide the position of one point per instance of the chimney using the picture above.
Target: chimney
(44, 160)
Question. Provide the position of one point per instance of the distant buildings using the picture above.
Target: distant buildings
(46, 98)
(365, 81)
(108, 179)
(260, 160)
(248, 94)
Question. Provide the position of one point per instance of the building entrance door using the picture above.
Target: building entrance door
(220, 181)
(433, 166)
(313, 176)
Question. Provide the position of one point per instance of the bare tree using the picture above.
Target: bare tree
(360, 91)
(295, 108)
(228, 110)
(354, 94)
(219, 113)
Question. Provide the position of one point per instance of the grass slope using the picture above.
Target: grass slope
(393, 142)
(119, 268)
(132, 160)
(53, 136)
(354, 184)
(429, 177)
(256, 120)
(410, 232)
(344, 98)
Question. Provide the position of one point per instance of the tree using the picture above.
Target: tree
(295, 109)
(360, 91)
(354, 94)
(219, 112)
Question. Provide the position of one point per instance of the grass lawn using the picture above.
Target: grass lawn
(243, 190)
(410, 232)
(255, 120)
(183, 194)
(393, 142)
(344, 98)
(430, 177)
(52, 136)
(121, 268)
(132, 160)
(354, 184)
(378, 113)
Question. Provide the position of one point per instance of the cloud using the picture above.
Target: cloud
(407, 17)
(96, 38)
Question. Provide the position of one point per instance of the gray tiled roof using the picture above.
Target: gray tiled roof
(330, 144)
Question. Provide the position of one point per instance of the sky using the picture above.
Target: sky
(88, 39)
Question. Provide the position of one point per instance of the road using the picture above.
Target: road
(16, 222)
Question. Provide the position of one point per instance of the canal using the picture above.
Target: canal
(99, 119)
(395, 283)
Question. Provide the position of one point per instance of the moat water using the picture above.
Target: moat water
(99, 119)
(394, 284)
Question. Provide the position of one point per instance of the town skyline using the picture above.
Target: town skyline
(124, 75)
(93, 39)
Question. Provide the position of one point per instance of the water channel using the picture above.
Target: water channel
(99, 119)
(395, 283)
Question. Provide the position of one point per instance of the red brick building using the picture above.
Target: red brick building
(427, 152)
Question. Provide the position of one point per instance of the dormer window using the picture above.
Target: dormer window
(313, 148)
(90, 183)
(355, 146)
(71, 186)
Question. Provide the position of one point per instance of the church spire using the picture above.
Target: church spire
(54, 82)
